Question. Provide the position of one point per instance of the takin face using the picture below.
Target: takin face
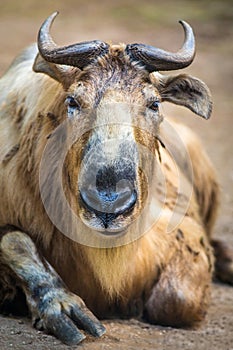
(112, 104)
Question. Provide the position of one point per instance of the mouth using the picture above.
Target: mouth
(106, 223)
(110, 231)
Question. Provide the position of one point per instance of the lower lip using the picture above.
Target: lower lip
(107, 232)
(116, 232)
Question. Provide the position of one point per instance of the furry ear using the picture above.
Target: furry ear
(61, 73)
(187, 91)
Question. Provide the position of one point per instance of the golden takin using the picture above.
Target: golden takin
(106, 207)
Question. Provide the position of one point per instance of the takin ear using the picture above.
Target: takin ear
(187, 91)
(61, 73)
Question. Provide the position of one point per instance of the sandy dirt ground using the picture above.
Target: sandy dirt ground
(155, 23)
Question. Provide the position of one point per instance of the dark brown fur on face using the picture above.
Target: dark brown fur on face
(163, 276)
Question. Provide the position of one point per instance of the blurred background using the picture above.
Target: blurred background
(152, 22)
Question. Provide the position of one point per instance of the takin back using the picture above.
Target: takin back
(106, 207)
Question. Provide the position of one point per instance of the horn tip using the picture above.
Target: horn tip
(54, 14)
(184, 24)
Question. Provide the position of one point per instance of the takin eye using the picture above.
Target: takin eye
(72, 105)
(154, 106)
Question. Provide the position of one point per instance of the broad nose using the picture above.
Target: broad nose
(111, 196)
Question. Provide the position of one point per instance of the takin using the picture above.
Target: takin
(106, 207)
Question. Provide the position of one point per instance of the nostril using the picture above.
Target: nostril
(125, 201)
(90, 198)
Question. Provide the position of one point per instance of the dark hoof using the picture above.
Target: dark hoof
(62, 314)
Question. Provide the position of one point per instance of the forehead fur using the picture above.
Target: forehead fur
(115, 67)
(111, 72)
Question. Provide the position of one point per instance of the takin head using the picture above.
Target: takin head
(113, 94)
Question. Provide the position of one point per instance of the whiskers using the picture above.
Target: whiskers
(162, 144)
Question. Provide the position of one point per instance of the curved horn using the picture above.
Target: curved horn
(78, 55)
(158, 60)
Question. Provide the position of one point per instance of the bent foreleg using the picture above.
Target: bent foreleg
(52, 306)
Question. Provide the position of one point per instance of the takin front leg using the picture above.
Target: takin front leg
(180, 297)
(53, 308)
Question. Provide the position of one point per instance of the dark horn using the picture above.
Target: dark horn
(78, 55)
(155, 59)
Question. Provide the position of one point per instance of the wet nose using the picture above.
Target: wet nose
(110, 196)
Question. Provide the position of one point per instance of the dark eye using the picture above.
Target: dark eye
(72, 105)
(154, 106)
